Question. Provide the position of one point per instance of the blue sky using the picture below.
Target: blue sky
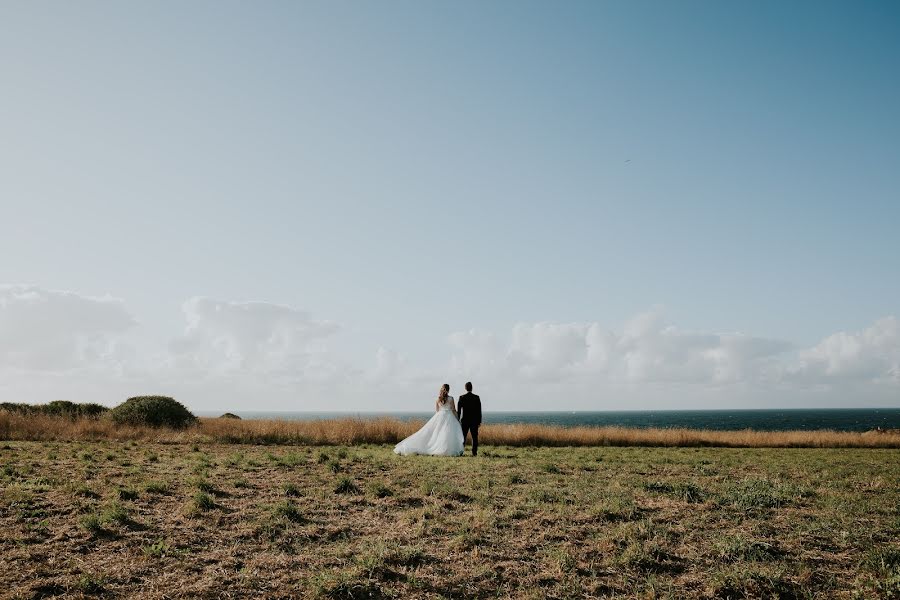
(314, 205)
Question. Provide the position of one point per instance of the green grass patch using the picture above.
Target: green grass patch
(288, 509)
(686, 491)
(291, 490)
(346, 485)
(201, 502)
(157, 487)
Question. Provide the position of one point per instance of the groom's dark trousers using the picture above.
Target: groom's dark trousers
(469, 408)
(467, 427)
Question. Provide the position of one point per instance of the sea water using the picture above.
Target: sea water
(841, 419)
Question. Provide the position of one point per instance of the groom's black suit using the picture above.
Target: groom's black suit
(469, 409)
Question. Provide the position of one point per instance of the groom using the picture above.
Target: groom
(469, 409)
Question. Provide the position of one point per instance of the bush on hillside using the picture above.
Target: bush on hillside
(92, 410)
(153, 411)
(57, 408)
(64, 408)
(17, 407)
(230, 416)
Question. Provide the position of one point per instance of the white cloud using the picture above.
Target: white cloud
(547, 350)
(253, 338)
(477, 352)
(58, 331)
(647, 350)
(871, 354)
(388, 365)
(57, 343)
(651, 350)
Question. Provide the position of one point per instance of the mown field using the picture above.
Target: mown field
(136, 518)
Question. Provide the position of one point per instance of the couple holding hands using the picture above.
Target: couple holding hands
(445, 433)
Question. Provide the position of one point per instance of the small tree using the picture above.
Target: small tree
(153, 411)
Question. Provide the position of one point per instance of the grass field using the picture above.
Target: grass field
(120, 519)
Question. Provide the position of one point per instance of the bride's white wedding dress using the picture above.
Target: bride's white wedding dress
(440, 436)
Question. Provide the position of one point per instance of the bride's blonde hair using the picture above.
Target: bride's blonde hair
(444, 393)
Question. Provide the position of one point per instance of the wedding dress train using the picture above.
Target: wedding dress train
(440, 436)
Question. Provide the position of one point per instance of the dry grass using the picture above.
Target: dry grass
(14, 426)
(355, 431)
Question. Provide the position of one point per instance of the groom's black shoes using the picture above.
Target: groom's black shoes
(469, 408)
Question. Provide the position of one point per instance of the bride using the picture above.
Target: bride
(441, 435)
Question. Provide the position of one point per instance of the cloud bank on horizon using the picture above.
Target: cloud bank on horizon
(266, 356)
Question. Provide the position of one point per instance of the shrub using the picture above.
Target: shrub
(230, 416)
(153, 411)
(92, 410)
(57, 408)
(60, 408)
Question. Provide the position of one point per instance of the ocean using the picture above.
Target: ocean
(849, 419)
